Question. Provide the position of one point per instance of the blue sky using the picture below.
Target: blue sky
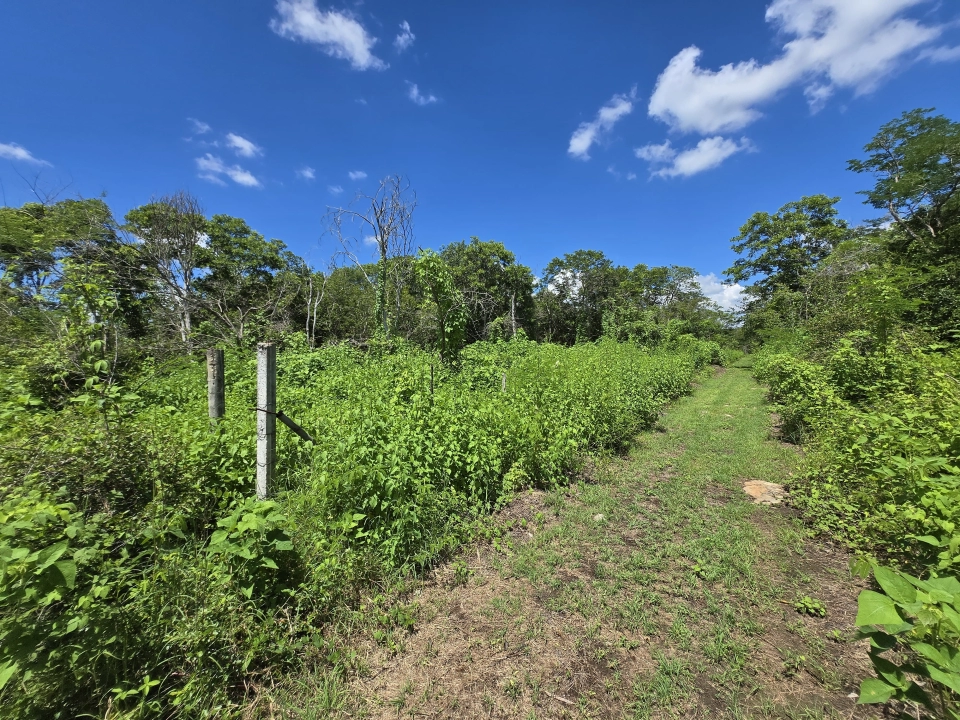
(650, 131)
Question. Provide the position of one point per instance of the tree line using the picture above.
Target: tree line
(168, 279)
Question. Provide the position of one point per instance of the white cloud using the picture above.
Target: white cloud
(705, 155)
(306, 173)
(357, 174)
(18, 153)
(589, 132)
(727, 296)
(941, 54)
(370, 240)
(338, 34)
(829, 44)
(243, 147)
(405, 38)
(420, 99)
(213, 168)
(619, 175)
(334, 189)
(199, 127)
(663, 152)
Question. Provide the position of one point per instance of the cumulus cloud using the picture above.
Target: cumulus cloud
(214, 169)
(414, 94)
(338, 34)
(726, 295)
(18, 153)
(405, 38)
(306, 173)
(828, 44)
(590, 132)
(705, 155)
(243, 147)
(334, 189)
(356, 174)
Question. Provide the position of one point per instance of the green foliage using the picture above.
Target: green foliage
(807, 605)
(435, 277)
(136, 571)
(914, 630)
(495, 288)
(783, 247)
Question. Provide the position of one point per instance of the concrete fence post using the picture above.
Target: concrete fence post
(215, 386)
(266, 417)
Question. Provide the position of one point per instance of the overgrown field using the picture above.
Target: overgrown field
(140, 578)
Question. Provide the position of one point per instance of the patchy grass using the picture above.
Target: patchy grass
(649, 588)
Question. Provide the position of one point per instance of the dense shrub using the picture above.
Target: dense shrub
(882, 426)
(884, 431)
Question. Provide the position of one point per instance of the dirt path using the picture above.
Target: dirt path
(655, 589)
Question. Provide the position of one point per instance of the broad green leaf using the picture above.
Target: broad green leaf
(68, 568)
(952, 616)
(894, 585)
(950, 679)
(930, 653)
(876, 609)
(6, 672)
(949, 585)
(50, 555)
(874, 690)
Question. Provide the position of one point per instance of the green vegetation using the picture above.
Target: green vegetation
(858, 331)
(138, 572)
(137, 575)
(138, 578)
(652, 587)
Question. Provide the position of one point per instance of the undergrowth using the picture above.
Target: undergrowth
(137, 576)
(882, 426)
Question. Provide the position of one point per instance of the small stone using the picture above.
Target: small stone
(764, 493)
(598, 517)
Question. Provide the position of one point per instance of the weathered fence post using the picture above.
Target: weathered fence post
(503, 383)
(215, 389)
(266, 416)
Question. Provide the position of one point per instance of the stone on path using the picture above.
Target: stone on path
(764, 493)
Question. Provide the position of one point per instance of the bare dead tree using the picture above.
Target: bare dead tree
(386, 217)
(315, 293)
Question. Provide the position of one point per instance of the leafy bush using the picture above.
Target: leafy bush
(918, 620)
(883, 473)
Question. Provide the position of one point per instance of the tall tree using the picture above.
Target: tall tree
(170, 232)
(494, 286)
(246, 279)
(781, 248)
(572, 294)
(916, 161)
